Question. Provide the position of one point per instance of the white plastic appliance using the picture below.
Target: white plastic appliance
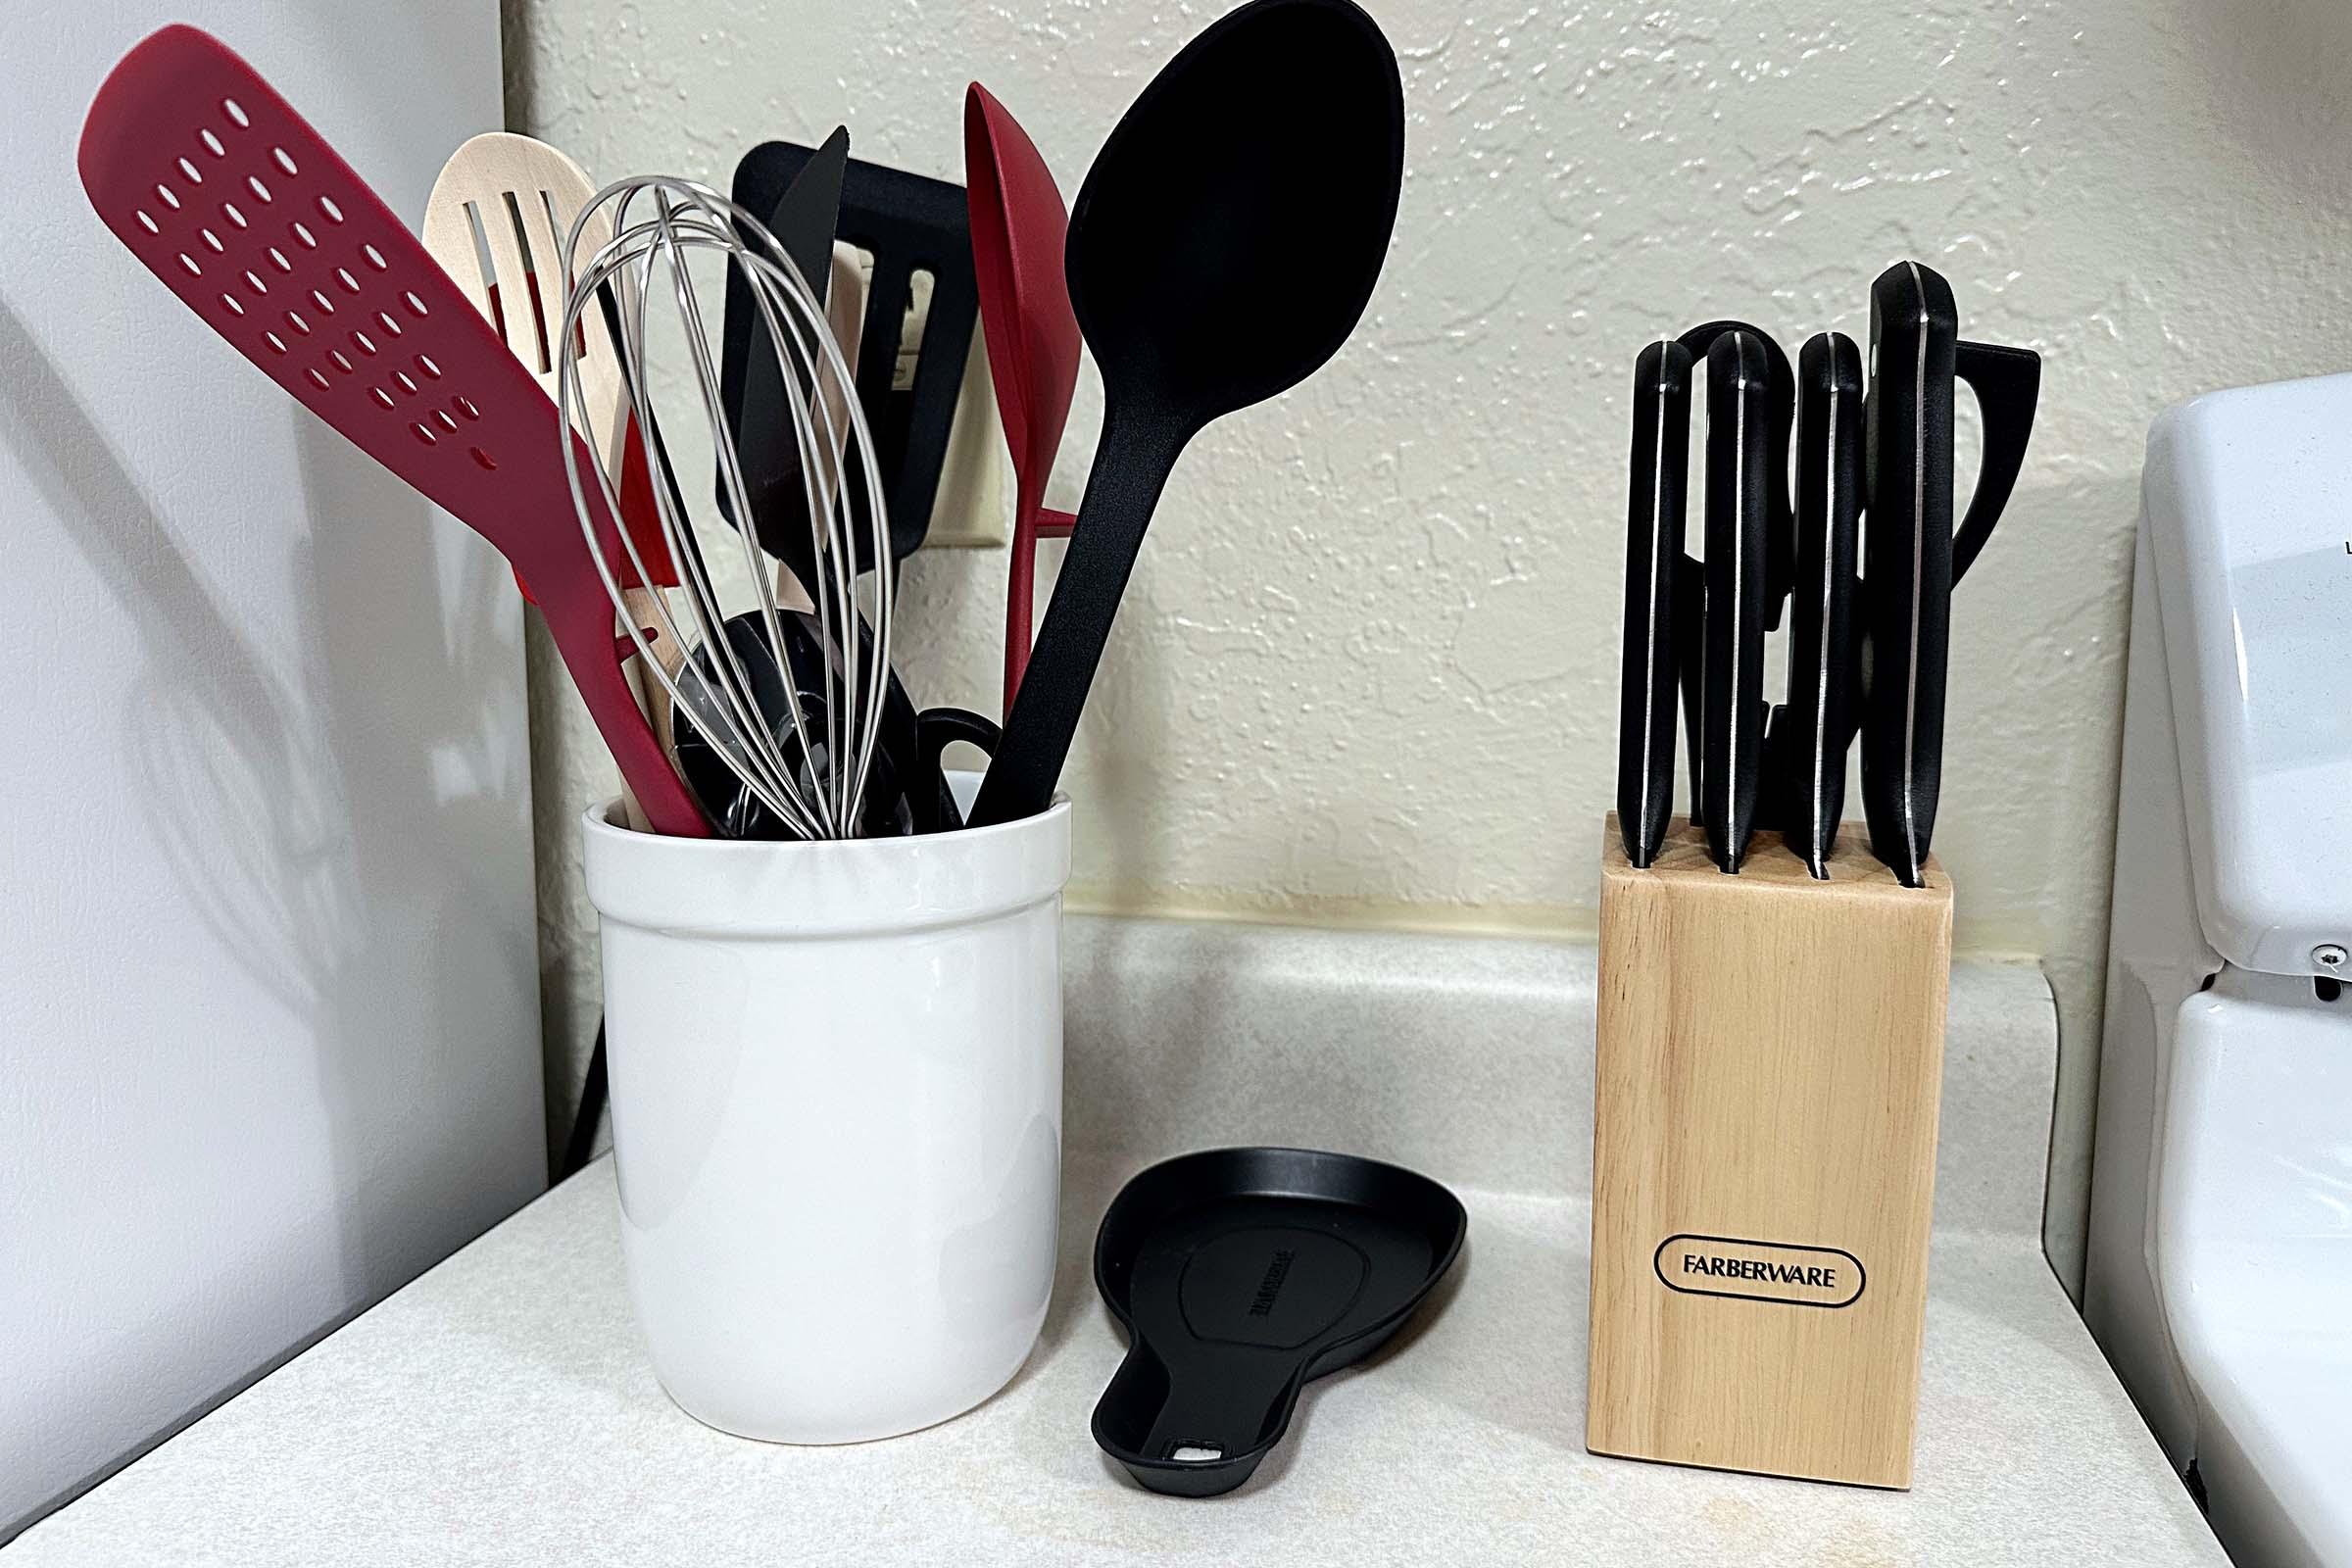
(2219, 1275)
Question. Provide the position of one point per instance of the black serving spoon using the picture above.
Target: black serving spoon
(1271, 148)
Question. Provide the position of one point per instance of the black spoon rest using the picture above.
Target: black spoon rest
(1240, 1275)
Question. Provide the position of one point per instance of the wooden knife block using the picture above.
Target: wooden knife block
(1771, 1055)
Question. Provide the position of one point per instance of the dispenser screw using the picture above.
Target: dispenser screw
(2329, 956)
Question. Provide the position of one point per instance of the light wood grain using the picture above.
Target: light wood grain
(548, 192)
(1770, 1058)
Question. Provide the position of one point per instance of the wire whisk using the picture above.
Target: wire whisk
(789, 694)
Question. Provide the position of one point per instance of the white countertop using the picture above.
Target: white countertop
(500, 1411)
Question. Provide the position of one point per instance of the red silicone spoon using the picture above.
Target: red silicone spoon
(1017, 221)
(245, 213)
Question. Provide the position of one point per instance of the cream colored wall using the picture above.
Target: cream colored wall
(1367, 667)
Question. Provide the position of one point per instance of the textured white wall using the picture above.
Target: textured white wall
(1367, 667)
(268, 1046)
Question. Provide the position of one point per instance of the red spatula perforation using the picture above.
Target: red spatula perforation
(228, 195)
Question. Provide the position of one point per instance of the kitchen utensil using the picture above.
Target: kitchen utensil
(1689, 592)
(1274, 139)
(496, 221)
(813, 667)
(226, 194)
(1018, 224)
(805, 218)
(1240, 1275)
(813, 772)
(1660, 468)
(936, 729)
(1780, 541)
(1823, 670)
(1912, 556)
(911, 225)
(759, 416)
(1739, 422)
(1914, 329)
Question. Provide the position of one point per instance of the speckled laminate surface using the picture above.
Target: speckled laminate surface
(501, 1412)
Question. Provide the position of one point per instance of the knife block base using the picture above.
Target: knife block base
(1770, 1062)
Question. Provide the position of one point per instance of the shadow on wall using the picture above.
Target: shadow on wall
(243, 782)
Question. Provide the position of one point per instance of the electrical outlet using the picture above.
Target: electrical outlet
(973, 508)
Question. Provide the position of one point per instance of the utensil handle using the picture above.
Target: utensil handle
(1659, 469)
(2007, 383)
(1817, 726)
(936, 729)
(1131, 468)
(1779, 518)
(1908, 551)
(583, 635)
(1031, 523)
(1739, 482)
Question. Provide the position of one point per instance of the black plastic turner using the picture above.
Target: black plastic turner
(803, 218)
(908, 223)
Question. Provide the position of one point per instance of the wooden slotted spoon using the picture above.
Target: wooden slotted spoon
(497, 223)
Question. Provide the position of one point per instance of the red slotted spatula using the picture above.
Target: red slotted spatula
(228, 195)
(1017, 223)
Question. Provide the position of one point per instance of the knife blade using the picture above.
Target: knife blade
(1659, 473)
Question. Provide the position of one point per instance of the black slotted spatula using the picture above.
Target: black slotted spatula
(910, 224)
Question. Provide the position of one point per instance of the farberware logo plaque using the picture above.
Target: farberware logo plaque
(1759, 1271)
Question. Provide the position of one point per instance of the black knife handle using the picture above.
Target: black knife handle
(1907, 539)
(1780, 541)
(1823, 663)
(2007, 383)
(1658, 469)
(1739, 484)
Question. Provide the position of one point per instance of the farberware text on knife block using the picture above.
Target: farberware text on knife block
(1770, 1058)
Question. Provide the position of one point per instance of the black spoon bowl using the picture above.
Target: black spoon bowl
(1271, 147)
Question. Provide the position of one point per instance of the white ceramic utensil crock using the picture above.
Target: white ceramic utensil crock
(836, 1089)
